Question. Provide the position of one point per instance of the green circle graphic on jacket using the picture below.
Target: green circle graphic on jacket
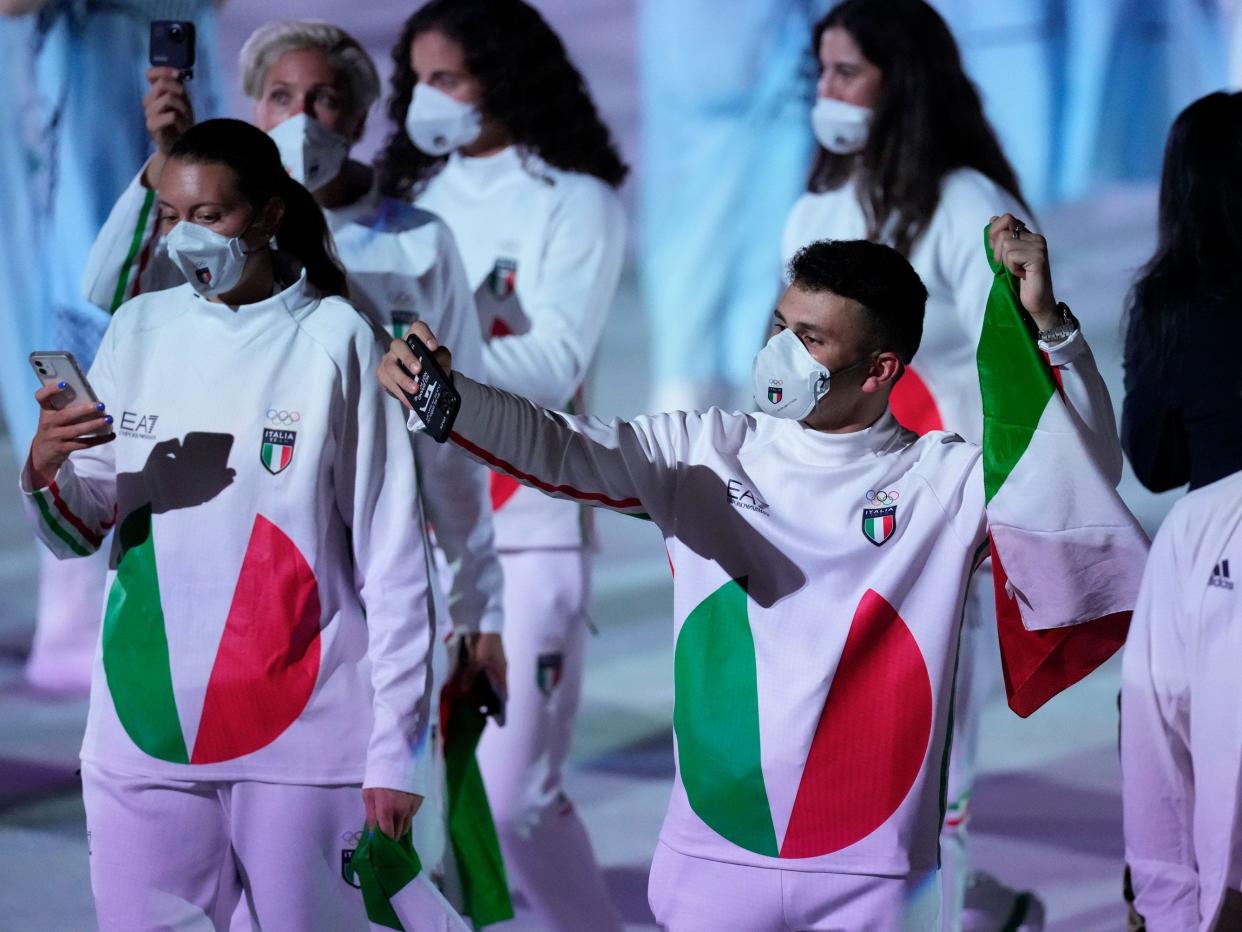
(868, 746)
(265, 666)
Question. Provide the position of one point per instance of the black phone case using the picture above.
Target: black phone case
(172, 45)
(437, 401)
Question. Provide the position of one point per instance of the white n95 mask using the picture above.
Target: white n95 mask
(438, 123)
(211, 262)
(312, 154)
(786, 379)
(840, 127)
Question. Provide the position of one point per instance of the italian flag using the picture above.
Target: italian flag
(396, 894)
(1067, 555)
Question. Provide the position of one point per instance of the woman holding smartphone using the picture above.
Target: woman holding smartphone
(260, 690)
(494, 132)
(907, 157)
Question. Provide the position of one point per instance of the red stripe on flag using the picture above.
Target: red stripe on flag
(90, 536)
(497, 463)
(1039, 664)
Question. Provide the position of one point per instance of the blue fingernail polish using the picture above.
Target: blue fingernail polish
(99, 406)
(60, 384)
(108, 419)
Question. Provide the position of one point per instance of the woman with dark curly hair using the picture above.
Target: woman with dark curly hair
(495, 132)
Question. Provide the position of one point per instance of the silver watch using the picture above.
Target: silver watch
(1065, 329)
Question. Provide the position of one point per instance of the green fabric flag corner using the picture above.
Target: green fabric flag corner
(384, 867)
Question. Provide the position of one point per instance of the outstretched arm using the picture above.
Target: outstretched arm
(629, 466)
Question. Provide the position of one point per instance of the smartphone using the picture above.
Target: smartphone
(483, 693)
(436, 402)
(172, 45)
(56, 366)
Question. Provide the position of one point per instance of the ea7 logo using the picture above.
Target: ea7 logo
(742, 497)
(138, 426)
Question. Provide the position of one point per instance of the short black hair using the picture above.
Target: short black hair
(876, 276)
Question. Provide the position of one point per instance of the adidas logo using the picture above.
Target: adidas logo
(1220, 576)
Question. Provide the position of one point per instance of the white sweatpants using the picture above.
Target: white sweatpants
(689, 894)
(71, 596)
(978, 673)
(179, 855)
(547, 853)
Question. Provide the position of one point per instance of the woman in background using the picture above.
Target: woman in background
(1182, 418)
(494, 132)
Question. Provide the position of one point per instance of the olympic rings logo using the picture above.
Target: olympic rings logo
(351, 838)
(882, 497)
(283, 417)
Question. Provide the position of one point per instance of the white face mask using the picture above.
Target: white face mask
(438, 124)
(840, 127)
(312, 154)
(787, 380)
(211, 262)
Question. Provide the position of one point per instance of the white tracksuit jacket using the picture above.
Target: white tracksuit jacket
(402, 265)
(543, 250)
(940, 390)
(268, 614)
(1181, 718)
(818, 589)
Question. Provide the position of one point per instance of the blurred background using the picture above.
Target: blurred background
(1082, 93)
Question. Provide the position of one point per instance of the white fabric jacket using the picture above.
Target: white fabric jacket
(819, 583)
(402, 265)
(543, 250)
(1181, 718)
(268, 613)
(940, 390)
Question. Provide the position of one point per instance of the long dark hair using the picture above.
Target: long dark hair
(1199, 245)
(255, 161)
(928, 121)
(529, 85)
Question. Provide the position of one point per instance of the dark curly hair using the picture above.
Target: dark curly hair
(929, 119)
(529, 85)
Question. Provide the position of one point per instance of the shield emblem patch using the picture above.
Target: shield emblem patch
(503, 278)
(348, 874)
(548, 672)
(276, 451)
(775, 395)
(878, 524)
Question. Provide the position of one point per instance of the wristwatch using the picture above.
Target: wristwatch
(1065, 329)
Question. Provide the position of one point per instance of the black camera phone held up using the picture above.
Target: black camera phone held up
(172, 46)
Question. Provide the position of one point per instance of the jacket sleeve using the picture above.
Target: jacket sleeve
(1157, 772)
(74, 513)
(568, 305)
(628, 466)
(456, 494)
(1152, 430)
(129, 257)
(1087, 400)
(378, 499)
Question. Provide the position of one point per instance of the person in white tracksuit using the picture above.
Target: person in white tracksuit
(261, 686)
(494, 132)
(1180, 729)
(811, 747)
(69, 146)
(313, 86)
(911, 161)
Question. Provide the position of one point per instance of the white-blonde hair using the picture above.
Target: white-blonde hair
(271, 40)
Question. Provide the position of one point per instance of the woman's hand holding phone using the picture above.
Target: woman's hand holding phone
(64, 431)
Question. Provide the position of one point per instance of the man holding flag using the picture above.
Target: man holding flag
(821, 557)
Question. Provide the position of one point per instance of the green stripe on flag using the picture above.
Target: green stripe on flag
(472, 831)
(1013, 378)
(384, 868)
(122, 282)
(716, 720)
(50, 520)
(135, 647)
